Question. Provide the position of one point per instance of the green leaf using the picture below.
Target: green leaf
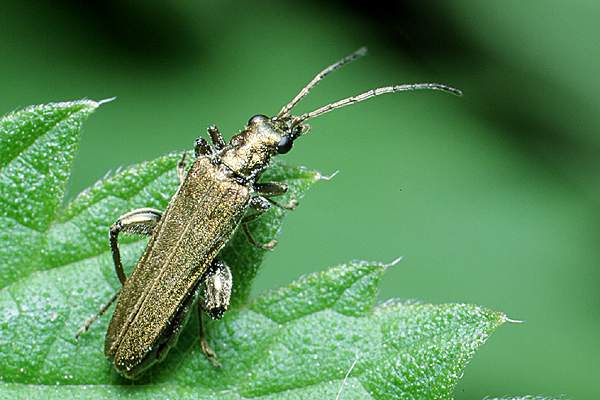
(38, 146)
(526, 398)
(295, 342)
(318, 337)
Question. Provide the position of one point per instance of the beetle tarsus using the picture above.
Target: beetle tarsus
(290, 205)
(270, 245)
(260, 204)
(209, 353)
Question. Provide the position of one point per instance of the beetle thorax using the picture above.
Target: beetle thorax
(250, 151)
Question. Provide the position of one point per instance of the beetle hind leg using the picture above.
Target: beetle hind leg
(217, 284)
(217, 289)
(208, 351)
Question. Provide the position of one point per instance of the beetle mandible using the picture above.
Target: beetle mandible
(181, 258)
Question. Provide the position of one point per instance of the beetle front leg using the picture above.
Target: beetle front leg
(216, 137)
(202, 148)
(271, 189)
(142, 222)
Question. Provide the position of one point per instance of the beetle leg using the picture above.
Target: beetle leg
(181, 166)
(271, 189)
(142, 222)
(216, 137)
(202, 148)
(217, 289)
(209, 353)
(217, 293)
(290, 205)
(260, 204)
(88, 322)
(270, 245)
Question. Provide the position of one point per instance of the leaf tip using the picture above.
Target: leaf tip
(394, 262)
(506, 318)
(321, 177)
(104, 101)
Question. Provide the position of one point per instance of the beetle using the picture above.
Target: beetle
(181, 258)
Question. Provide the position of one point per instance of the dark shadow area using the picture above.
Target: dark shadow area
(502, 92)
(419, 29)
(155, 36)
(159, 36)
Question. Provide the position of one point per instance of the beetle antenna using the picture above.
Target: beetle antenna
(373, 93)
(306, 89)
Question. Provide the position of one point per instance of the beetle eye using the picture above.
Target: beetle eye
(257, 118)
(285, 144)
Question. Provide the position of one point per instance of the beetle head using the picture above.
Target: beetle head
(283, 131)
(250, 151)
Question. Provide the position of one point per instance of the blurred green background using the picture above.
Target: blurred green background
(493, 198)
